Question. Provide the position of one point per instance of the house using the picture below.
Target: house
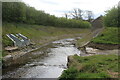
(97, 23)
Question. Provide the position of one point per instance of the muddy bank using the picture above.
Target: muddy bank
(95, 49)
(103, 46)
(71, 61)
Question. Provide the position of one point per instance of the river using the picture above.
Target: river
(51, 65)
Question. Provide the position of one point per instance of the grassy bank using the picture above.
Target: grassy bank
(108, 36)
(39, 34)
(87, 37)
(97, 66)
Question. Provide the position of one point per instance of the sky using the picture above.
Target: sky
(60, 7)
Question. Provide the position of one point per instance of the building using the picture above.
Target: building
(97, 23)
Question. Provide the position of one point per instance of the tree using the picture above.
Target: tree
(14, 11)
(76, 14)
(66, 15)
(89, 15)
(79, 14)
(111, 17)
(21, 13)
(119, 14)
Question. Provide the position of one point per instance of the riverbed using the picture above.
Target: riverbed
(49, 61)
(50, 65)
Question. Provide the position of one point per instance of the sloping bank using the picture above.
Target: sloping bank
(40, 35)
(91, 67)
(108, 39)
(95, 66)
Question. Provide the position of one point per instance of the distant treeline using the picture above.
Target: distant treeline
(19, 12)
(112, 17)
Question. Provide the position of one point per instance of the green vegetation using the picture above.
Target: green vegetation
(108, 36)
(19, 17)
(87, 37)
(97, 66)
(111, 18)
(37, 33)
(21, 13)
(37, 25)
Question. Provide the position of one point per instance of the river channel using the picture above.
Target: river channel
(51, 65)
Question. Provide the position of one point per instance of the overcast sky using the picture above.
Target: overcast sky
(59, 7)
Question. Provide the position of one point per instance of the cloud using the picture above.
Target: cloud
(49, 2)
(59, 7)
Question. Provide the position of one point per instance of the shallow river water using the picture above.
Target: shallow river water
(50, 65)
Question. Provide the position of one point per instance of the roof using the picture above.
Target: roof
(97, 18)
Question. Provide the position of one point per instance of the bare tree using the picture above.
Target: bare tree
(79, 14)
(76, 13)
(89, 15)
(66, 15)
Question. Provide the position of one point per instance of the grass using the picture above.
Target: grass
(97, 66)
(108, 36)
(37, 33)
(87, 37)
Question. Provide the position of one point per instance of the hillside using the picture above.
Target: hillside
(108, 36)
(39, 34)
(38, 26)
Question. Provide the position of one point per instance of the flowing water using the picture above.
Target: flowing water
(49, 61)
(50, 65)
